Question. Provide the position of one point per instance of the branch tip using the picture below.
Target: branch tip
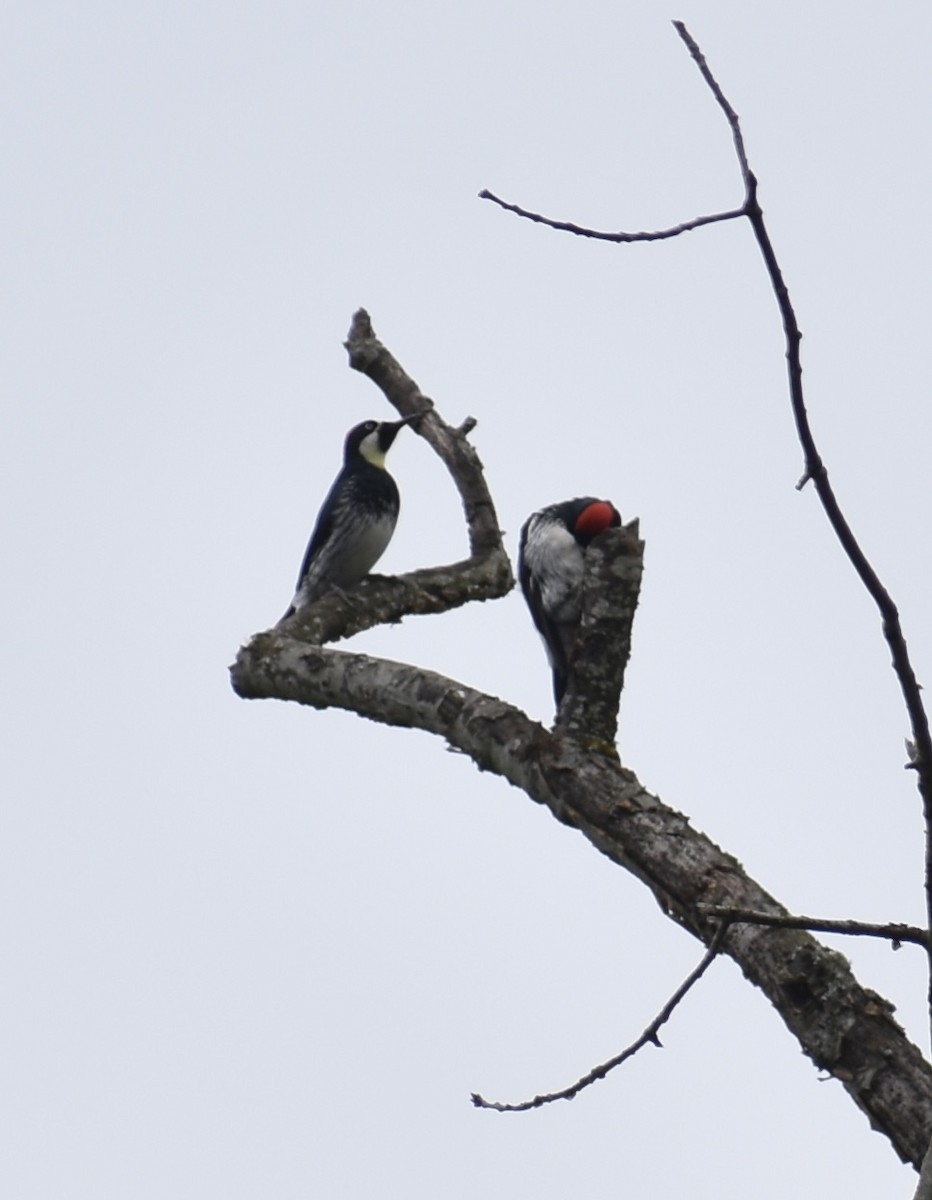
(649, 1036)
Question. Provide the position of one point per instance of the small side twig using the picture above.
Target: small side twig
(656, 235)
(649, 1036)
(893, 932)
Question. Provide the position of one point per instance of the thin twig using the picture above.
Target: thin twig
(657, 235)
(730, 114)
(892, 932)
(816, 471)
(814, 467)
(648, 1036)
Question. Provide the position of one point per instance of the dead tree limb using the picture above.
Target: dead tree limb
(382, 600)
(845, 1029)
(814, 466)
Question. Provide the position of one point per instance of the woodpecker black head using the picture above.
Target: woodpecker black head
(372, 440)
(358, 516)
(551, 568)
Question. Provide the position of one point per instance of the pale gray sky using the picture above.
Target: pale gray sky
(254, 951)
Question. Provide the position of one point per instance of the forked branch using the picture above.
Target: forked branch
(381, 600)
(814, 466)
(846, 1030)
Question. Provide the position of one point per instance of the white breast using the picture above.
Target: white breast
(555, 561)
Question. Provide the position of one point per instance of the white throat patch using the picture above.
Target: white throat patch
(370, 449)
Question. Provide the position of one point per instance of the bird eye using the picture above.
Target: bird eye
(370, 425)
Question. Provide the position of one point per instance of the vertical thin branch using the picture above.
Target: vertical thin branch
(732, 117)
(816, 471)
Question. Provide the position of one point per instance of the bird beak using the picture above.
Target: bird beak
(389, 430)
(409, 420)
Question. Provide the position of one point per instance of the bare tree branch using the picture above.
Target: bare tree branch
(846, 1030)
(892, 932)
(815, 469)
(649, 1036)
(657, 235)
(368, 355)
(589, 709)
(379, 600)
(730, 115)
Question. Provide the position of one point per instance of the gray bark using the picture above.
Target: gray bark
(847, 1030)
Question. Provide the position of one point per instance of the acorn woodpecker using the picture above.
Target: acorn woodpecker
(551, 568)
(358, 517)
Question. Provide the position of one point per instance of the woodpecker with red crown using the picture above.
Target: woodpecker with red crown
(358, 517)
(551, 568)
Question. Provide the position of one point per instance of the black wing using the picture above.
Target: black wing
(323, 530)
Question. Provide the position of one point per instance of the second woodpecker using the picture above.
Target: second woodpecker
(358, 517)
(551, 568)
